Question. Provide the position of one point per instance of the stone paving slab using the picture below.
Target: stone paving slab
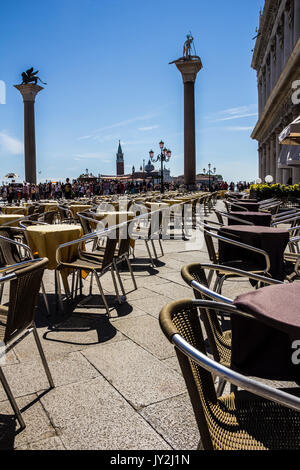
(140, 377)
(28, 377)
(137, 329)
(93, 415)
(174, 420)
(152, 303)
(38, 425)
(173, 291)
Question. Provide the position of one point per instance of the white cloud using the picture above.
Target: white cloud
(239, 112)
(11, 144)
(124, 123)
(148, 128)
(239, 128)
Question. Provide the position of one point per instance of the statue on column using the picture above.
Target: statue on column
(187, 46)
(31, 77)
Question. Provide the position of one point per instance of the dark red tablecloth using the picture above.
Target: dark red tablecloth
(272, 240)
(257, 218)
(263, 347)
(249, 206)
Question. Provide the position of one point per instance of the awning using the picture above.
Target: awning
(291, 134)
(282, 159)
(293, 156)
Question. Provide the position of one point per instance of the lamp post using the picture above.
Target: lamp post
(209, 173)
(163, 157)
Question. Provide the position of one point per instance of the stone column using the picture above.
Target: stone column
(189, 69)
(273, 62)
(272, 158)
(29, 93)
(296, 175)
(296, 21)
(285, 175)
(259, 88)
(279, 38)
(278, 170)
(286, 37)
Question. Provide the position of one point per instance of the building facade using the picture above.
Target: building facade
(276, 59)
(120, 161)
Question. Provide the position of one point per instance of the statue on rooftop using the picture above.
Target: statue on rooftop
(31, 77)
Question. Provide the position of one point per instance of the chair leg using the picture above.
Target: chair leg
(161, 248)
(91, 283)
(131, 271)
(154, 249)
(149, 254)
(112, 271)
(43, 357)
(119, 278)
(221, 386)
(12, 399)
(58, 285)
(45, 298)
(102, 294)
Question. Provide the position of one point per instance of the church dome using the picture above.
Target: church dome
(149, 167)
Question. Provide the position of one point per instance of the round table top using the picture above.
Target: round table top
(259, 214)
(53, 228)
(253, 228)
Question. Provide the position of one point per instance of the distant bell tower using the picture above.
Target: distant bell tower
(120, 161)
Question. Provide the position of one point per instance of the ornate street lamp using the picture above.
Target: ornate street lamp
(163, 157)
(209, 173)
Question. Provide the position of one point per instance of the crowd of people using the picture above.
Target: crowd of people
(56, 190)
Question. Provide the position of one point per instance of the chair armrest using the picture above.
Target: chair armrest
(244, 245)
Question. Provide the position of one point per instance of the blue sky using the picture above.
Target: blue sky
(106, 64)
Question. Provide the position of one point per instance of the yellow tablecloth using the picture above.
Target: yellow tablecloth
(74, 208)
(15, 210)
(50, 206)
(10, 218)
(44, 240)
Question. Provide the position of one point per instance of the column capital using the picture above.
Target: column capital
(189, 68)
(29, 91)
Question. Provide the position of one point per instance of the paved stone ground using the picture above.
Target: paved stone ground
(117, 381)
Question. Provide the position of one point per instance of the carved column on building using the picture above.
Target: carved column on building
(278, 178)
(286, 29)
(268, 77)
(259, 162)
(279, 50)
(273, 161)
(259, 88)
(296, 12)
(263, 88)
(273, 62)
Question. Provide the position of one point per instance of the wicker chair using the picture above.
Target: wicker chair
(49, 217)
(12, 252)
(219, 340)
(265, 418)
(85, 261)
(17, 319)
(249, 265)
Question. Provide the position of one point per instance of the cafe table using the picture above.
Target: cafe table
(272, 240)
(49, 206)
(263, 346)
(257, 218)
(113, 217)
(249, 206)
(75, 208)
(11, 219)
(14, 210)
(45, 239)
